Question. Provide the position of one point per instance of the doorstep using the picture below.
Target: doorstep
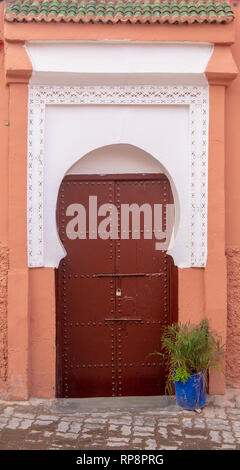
(73, 405)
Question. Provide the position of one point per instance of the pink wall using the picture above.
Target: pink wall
(232, 193)
(29, 295)
(42, 350)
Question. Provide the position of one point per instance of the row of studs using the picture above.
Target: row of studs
(106, 322)
(64, 299)
(125, 365)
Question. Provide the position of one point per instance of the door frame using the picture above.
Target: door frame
(173, 275)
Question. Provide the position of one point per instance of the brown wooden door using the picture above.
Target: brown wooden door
(113, 296)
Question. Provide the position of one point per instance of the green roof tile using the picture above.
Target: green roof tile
(157, 11)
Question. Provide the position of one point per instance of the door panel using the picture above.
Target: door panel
(86, 353)
(145, 297)
(104, 339)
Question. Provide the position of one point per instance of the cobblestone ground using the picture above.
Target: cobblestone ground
(146, 425)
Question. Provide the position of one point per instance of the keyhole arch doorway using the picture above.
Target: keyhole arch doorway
(114, 297)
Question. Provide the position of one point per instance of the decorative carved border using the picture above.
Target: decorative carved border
(195, 97)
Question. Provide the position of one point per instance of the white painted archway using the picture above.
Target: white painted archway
(169, 122)
(122, 159)
(64, 142)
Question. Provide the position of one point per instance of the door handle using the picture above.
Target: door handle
(118, 292)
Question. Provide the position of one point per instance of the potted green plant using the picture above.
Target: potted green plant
(190, 351)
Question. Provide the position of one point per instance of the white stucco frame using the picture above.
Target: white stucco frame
(121, 73)
(196, 98)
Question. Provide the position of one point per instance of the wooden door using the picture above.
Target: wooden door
(114, 296)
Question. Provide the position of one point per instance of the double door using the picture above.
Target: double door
(114, 294)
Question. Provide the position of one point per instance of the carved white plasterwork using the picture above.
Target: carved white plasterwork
(196, 98)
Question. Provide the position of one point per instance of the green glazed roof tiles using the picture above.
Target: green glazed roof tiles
(79, 11)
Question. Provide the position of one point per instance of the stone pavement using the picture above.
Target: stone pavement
(126, 423)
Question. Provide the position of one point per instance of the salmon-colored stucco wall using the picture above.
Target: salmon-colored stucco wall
(42, 349)
(18, 314)
(4, 251)
(232, 193)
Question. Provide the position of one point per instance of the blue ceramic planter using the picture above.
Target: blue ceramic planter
(192, 394)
